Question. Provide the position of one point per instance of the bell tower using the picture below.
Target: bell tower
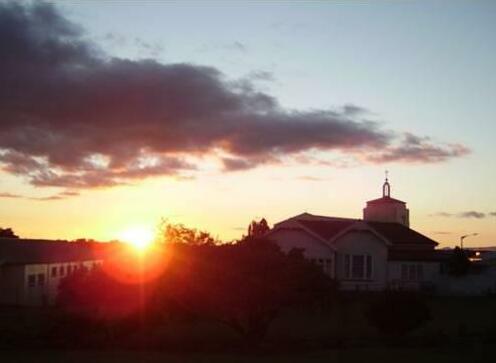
(387, 209)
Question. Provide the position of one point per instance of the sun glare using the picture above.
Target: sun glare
(139, 237)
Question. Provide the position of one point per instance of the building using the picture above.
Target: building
(31, 270)
(374, 253)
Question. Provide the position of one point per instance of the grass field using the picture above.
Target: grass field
(482, 353)
(462, 330)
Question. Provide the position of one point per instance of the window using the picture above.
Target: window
(31, 280)
(404, 272)
(420, 272)
(368, 273)
(69, 269)
(412, 272)
(358, 267)
(328, 266)
(61, 270)
(54, 271)
(41, 279)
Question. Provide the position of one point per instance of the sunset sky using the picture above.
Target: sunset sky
(114, 115)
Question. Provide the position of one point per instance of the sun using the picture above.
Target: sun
(139, 237)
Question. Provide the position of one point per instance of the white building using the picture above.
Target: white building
(377, 252)
(31, 270)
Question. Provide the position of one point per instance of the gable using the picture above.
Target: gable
(290, 238)
(360, 241)
(327, 229)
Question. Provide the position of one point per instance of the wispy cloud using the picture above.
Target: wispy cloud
(58, 196)
(441, 232)
(466, 214)
(311, 178)
(10, 196)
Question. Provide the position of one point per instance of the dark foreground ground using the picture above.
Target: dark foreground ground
(479, 353)
(461, 330)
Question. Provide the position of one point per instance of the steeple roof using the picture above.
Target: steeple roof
(386, 195)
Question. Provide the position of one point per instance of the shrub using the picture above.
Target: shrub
(396, 313)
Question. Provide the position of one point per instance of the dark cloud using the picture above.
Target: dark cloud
(466, 214)
(472, 214)
(417, 149)
(442, 214)
(237, 164)
(353, 110)
(72, 116)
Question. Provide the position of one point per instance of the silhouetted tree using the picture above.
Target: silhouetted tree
(243, 285)
(7, 233)
(396, 313)
(179, 233)
(458, 264)
(258, 229)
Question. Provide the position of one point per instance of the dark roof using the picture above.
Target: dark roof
(399, 234)
(30, 251)
(327, 229)
(385, 200)
(419, 255)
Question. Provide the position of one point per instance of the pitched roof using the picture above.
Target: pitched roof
(399, 234)
(327, 229)
(31, 251)
(385, 200)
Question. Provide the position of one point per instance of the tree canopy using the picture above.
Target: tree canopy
(243, 285)
(7, 233)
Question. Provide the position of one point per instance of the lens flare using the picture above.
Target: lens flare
(139, 237)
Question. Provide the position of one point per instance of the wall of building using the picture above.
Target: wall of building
(361, 243)
(36, 284)
(12, 284)
(313, 248)
(413, 274)
(476, 284)
(387, 212)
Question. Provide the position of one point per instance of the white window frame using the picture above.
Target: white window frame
(368, 267)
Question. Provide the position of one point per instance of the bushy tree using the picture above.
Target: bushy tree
(458, 264)
(178, 233)
(258, 229)
(7, 233)
(243, 285)
(396, 313)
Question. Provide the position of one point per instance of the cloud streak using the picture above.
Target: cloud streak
(58, 196)
(72, 116)
(466, 214)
